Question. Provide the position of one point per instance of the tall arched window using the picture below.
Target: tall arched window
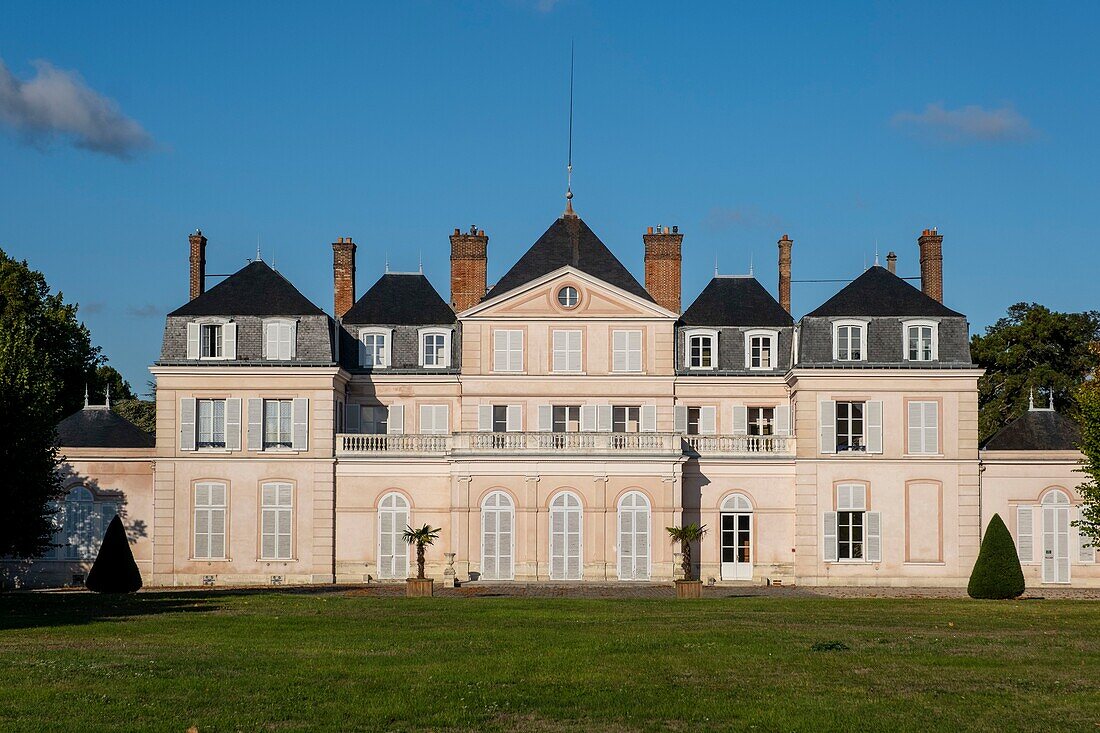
(634, 536)
(1056, 509)
(393, 553)
(736, 538)
(566, 527)
(497, 521)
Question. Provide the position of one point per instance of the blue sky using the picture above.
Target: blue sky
(294, 124)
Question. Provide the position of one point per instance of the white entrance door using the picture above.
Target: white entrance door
(496, 537)
(393, 553)
(634, 537)
(1056, 538)
(736, 538)
(565, 537)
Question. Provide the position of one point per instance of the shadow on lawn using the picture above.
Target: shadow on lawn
(40, 610)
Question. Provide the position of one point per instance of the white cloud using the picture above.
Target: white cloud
(56, 103)
(724, 218)
(971, 123)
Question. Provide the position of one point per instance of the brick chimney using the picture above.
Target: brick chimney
(931, 263)
(469, 259)
(662, 266)
(785, 245)
(343, 276)
(892, 263)
(198, 263)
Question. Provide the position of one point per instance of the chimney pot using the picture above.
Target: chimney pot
(197, 244)
(649, 230)
(892, 263)
(785, 247)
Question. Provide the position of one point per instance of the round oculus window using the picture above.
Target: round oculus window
(568, 297)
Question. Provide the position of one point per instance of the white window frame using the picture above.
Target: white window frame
(564, 350)
(387, 334)
(277, 354)
(422, 336)
(563, 505)
(222, 323)
(710, 333)
(773, 359)
(394, 504)
(862, 325)
(627, 351)
(856, 503)
(278, 510)
(906, 325)
(508, 360)
(213, 426)
(210, 508)
(288, 418)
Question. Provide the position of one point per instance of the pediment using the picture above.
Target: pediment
(539, 299)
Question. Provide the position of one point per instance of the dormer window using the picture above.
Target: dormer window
(211, 346)
(702, 350)
(435, 348)
(850, 341)
(760, 348)
(279, 339)
(374, 348)
(921, 340)
(212, 338)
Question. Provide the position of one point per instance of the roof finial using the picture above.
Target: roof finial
(1050, 404)
(876, 252)
(387, 263)
(85, 394)
(258, 258)
(107, 403)
(750, 265)
(569, 157)
(1031, 399)
(716, 263)
(420, 262)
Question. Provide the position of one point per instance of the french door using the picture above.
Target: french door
(393, 553)
(634, 537)
(1056, 541)
(736, 546)
(497, 521)
(565, 537)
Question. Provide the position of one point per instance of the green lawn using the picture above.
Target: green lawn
(227, 661)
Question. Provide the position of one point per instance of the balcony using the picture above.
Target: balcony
(574, 444)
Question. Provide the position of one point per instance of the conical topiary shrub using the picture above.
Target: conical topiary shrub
(997, 573)
(114, 570)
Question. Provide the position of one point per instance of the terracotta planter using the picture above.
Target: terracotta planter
(419, 587)
(689, 589)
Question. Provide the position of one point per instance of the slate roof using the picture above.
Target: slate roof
(97, 427)
(879, 292)
(735, 301)
(254, 290)
(569, 242)
(1036, 430)
(401, 299)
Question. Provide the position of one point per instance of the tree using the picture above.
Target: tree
(685, 536)
(46, 356)
(422, 537)
(1033, 348)
(997, 573)
(114, 569)
(1088, 399)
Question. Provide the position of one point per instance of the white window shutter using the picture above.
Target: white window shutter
(560, 356)
(634, 351)
(362, 352)
(649, 419)
(233, 423)
(443, 419)
(255, 424)
(680, 419)
(268, 529)
(500, 351)
(707, 420)
(603, 418)
(546, 418)
(290, 346)
(395, 420)
(932, 427)
(192, 341)
(300, 424)
(229, 340)
(874, 426)
(783, 420)
(828, 534)
(874, 536)
(827, 423)
(588, 418)
(740, 420)
(574, 342)
(351, 417)
(269, 343)
(618, 351)
(514, 418)
(916, 427)
(515, 351)
(427, 423)
(485, 418)
(187, 423)
(1025, 533)
(1086, 552)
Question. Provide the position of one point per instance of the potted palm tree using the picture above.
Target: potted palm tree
(687, 588)
(420, 586)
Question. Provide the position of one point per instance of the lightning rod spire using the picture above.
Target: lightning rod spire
(569, 156)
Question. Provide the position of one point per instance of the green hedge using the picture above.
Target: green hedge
(997, 572)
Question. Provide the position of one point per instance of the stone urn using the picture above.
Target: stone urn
(419, 587)
(689, 589)
(449, 571)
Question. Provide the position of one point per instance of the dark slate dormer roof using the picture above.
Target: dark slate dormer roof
(1037, 430)
(735, 301)
(254, 290)
(879, 292)
(569, 242)
(97, 427)
(401, 299)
